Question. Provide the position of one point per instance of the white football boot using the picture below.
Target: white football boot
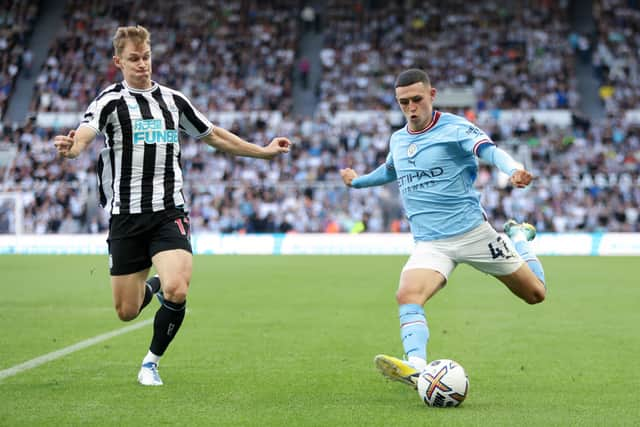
(149, 375)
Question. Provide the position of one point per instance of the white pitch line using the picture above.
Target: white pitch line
(33, 363)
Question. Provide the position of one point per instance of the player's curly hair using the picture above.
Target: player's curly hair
(137, 34)
(411, 76)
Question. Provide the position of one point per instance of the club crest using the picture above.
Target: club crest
(412, 150)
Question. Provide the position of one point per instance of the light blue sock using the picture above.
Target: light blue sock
(525, 251)
(414, 330)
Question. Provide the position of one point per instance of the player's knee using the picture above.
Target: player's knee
(176, 291)
(419, 291)
(402, 296)
(127, 312)
(409, 296)
(537, 296)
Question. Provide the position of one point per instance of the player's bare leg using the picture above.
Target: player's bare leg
(524, 283)
(174, 271)
(129, 293)
(528, 281)
(416, 287)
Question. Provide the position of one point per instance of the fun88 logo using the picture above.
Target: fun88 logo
(151, 131)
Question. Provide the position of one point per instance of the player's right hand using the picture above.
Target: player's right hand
(348, 175)
(278, 145)
(63, 144)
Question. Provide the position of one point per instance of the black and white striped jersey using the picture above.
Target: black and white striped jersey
(139, 167)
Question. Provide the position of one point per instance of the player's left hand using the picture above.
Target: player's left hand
(278, 145)
(521, 178)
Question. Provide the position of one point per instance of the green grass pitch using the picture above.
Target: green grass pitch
(290, 341)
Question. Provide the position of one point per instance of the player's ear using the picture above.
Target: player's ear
(116, 61)
(433, 92)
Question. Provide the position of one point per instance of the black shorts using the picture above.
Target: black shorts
(135, 238)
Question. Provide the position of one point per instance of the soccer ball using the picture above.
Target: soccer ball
(443, 384)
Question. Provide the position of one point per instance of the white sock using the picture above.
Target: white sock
(518, 236)
(150, 357)
(417, 362)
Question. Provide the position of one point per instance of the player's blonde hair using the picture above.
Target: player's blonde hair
(137, 34)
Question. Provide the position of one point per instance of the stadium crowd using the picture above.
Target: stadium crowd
(16, 25)
(587, 173)
(225, 56)
(588, 180)
(616, 53)
(512, 56)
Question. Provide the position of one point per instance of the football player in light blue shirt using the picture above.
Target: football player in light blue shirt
(433, 160)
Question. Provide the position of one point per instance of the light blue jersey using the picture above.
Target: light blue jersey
(435, 170)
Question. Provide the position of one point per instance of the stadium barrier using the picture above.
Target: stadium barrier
(589, 244)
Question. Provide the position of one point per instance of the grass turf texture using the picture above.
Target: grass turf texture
(290, 341)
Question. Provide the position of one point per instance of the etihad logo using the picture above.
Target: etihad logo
(151, 131)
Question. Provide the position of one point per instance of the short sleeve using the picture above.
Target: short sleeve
(191, 121)
(471, 138)
(91, 117)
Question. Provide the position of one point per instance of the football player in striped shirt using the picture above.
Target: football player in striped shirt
(433, 160)
(140, 184)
